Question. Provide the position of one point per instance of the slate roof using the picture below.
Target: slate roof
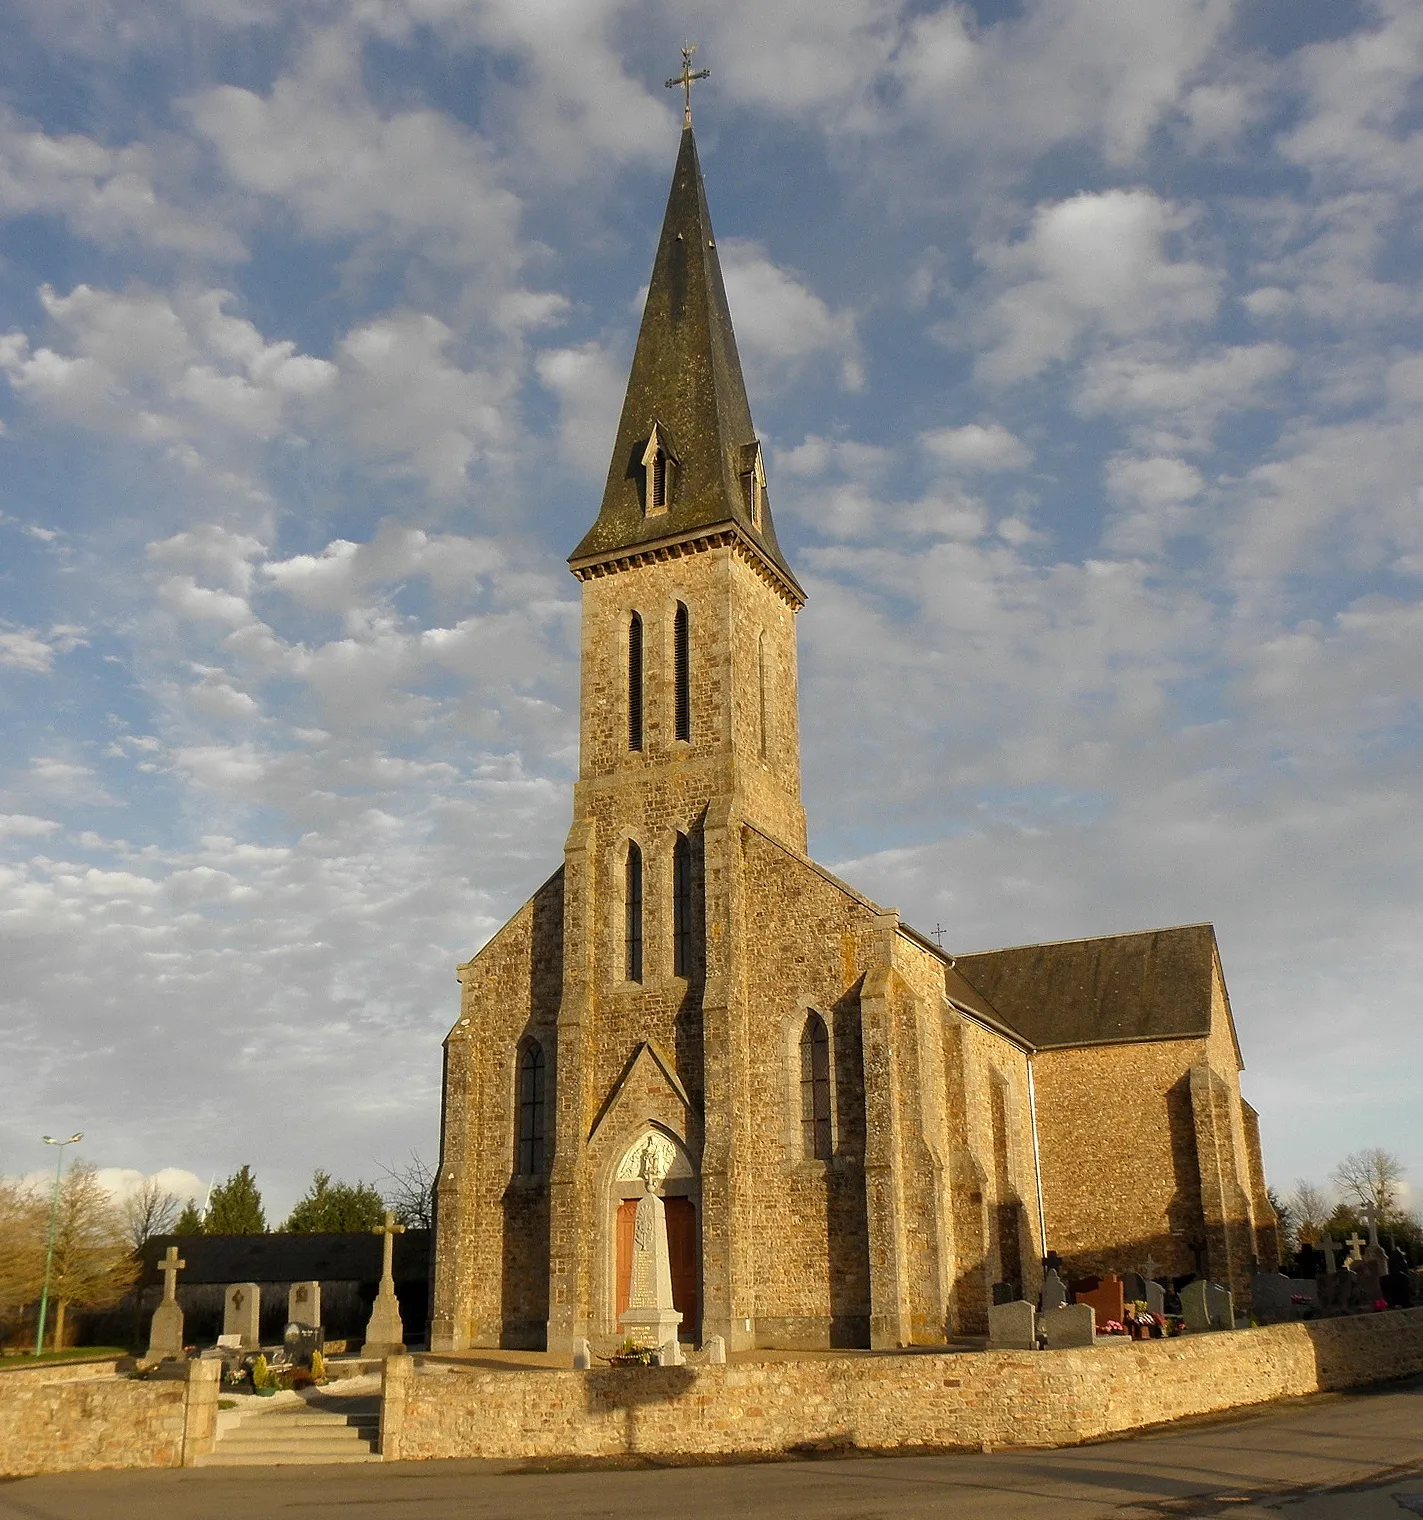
(1154, 985)
(686, 379)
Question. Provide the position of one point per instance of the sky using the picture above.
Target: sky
(1085, 340)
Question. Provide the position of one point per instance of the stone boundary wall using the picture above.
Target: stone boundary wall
(898, 1400)
(68, 1423)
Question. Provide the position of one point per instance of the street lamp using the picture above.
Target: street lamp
(53, 1216)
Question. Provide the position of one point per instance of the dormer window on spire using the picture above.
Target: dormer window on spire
(658, 468)
(753, 484)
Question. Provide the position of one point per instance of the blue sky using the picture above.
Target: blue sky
(1086, 341)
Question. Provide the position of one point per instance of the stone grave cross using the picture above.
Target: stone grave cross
(1370, 1215)
(385, 1335)
(1329, 1246)
(1356, 1246)
(1150, 1267)
(165, 1336)
(170, 1267)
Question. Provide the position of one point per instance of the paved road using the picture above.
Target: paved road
(1344, 1457)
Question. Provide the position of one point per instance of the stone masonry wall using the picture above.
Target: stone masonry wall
(62, 1423)
(1118, 1144)
(883, 1402)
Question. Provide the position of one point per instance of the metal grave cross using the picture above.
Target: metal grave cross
(1356, 1246)
(686, 79)
(170, 1267)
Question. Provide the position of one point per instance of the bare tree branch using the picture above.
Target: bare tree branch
(148, 1211)
(410, 1192)
(1371, 1177)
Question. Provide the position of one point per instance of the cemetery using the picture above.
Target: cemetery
(1090, 1357)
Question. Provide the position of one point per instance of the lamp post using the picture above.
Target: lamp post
(49, 1249)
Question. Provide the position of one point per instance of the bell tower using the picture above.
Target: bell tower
(689, 734)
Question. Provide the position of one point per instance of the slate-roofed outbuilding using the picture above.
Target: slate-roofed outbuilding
(1153, 985)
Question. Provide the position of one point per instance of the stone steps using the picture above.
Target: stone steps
(297, 1434)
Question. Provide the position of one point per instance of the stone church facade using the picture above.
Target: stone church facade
(868, 1134)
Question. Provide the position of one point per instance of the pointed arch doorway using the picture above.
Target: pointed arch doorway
(680, 1201)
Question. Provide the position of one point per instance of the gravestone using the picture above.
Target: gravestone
(1330, 1247)
(1374, 1252)
(1011, 1327)
(1156, 1298)
(1195, 1306)
(385, 1335)
(1004, 1293)
(304, 1304)
(651, 1317)
(301, 1343)
(242, 1314)
(1107, 1300)
(1072, 1325)
(1133, 1287)
(1272, 1296)
(582, 1356)
(1221, 1303)
(1054, 1294)
(716, 1351)
(165, 1335)
(669, 1354)
(1370, 1283)
(1355, 1242)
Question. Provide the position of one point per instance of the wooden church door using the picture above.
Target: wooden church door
(681, 1253)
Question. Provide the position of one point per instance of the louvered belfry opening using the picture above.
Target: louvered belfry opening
(682, 672)
(635, 682)
(633, 901)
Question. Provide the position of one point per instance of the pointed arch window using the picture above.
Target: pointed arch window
(633, 915)
(815, 1089)
(530, 1107)
(682, 672)
(635, 682)
(753, 484)
(682, 906)
(658, 469)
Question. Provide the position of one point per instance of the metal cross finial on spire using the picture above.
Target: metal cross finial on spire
(685, 79)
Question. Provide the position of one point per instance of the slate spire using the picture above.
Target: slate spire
(685, 397)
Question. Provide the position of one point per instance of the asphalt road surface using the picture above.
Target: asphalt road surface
(1353, 1456)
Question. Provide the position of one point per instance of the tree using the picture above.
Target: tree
(24, 1217)
(190, 1221)
(336, 1206)
(93, 1265)
(410, 1192)
(1309, 1210)
(148, 1211)
(1371, 1176)
(235, 1207)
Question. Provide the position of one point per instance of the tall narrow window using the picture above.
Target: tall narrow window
(753, 484)
(657, 482)
(531, 1110)
(681, 672)
(635, 682)
(815, 1089)
(633, 898)
(682, 906)
(761, 688)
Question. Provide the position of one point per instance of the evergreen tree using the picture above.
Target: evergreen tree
(190, 1221)
(235, 1207)
(336, 1206)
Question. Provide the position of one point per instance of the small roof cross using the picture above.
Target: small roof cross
(170, 1267)
(686, 79)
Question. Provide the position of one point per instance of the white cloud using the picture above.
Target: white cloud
(588, 381)
(26, 826)
(1097, 263)
(1153, 495)
(977, 446)
(781, 324)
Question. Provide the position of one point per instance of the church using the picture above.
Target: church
(866, 1139)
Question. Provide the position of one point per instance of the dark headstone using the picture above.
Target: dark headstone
(1134, 1287)
(1003, 1293)
(299, 1342)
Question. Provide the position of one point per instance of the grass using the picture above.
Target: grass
(73, 1354)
